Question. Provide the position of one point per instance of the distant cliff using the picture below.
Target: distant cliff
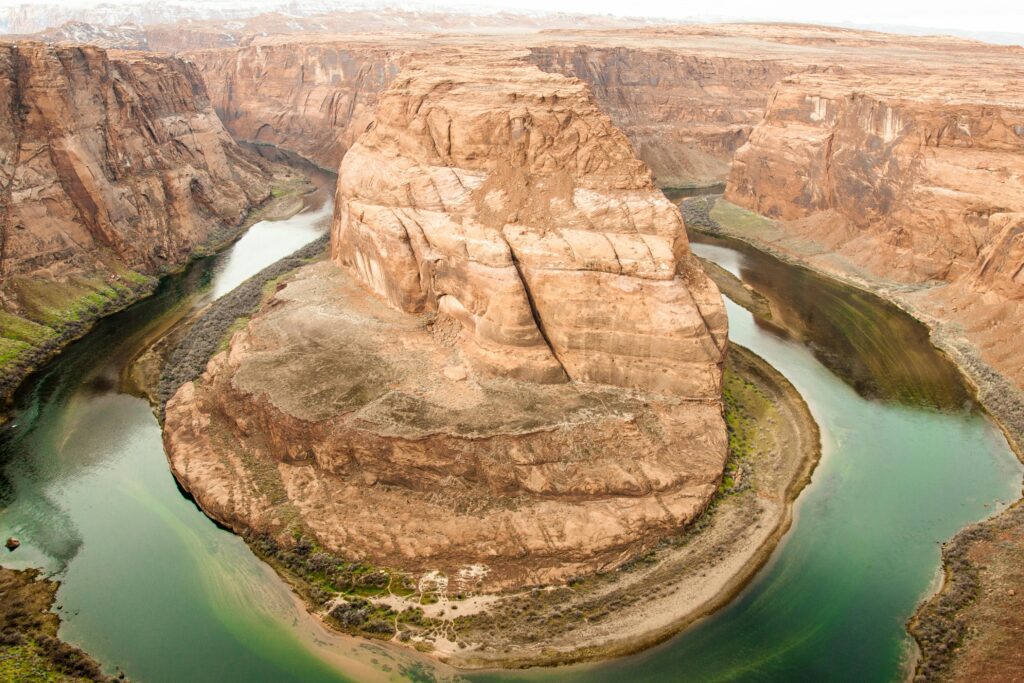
(686, 114)
(113, 167)
(904, 178)
(311, 99)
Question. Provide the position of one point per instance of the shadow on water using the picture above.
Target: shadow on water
(869, 343)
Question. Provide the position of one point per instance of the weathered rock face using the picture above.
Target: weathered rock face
(503, 198)
(469, 415)
(111, 165)
(111, 156)
(685, 113)
(913, 181)
(310, 99)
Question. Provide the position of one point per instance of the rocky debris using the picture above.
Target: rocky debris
(501, 196)
(491, 218)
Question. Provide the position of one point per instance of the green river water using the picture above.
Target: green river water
(152, 587)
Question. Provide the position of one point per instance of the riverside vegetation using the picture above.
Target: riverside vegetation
(30, 651)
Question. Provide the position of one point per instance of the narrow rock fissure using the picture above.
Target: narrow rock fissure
(534, 312)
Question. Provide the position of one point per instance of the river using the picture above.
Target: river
(152, 587)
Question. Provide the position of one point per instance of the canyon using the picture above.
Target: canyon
(508, 371)
(115, 168)
(495, 227)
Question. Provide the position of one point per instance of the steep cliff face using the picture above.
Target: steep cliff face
(516, 375)
(520, 211)
(685, 113)
(311, 99)
(906, 179)
(112, 166)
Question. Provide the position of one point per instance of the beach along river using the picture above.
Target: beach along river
(151, 586)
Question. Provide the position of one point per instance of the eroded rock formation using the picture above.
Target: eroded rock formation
(515, 376)
(520, 211)
(902, 179)
(312, 99)
(685, 113)
(112, 165)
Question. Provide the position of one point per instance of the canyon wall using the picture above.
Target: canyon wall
(311, 99)
(902, 178)
(112, 166)
(529, 381)
(685, 113)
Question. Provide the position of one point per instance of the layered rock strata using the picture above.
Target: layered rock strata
(685, 113)
(501, 197)
(910, 181)
(515, 375)
(312, 99)
(113, 166)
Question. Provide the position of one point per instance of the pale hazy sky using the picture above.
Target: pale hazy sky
(968, 15)
(997, 16)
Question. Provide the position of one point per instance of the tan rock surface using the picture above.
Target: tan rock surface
(412, 409)
(500, 196)
(312, 99)
(333, 410)
(906, 179)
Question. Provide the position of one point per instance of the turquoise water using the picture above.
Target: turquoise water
(895, 481)
(153, 587)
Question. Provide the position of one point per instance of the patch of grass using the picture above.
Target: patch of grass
(15, 328)
(344, 589)
(239, 324)
(737, 217)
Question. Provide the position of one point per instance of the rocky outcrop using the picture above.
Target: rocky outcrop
(903, 179)
(685, 113)
(503, 198)
(113, 166)
(514, 378)
(311, 99)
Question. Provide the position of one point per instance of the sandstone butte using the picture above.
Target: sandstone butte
(510, 369)
(113, 166)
